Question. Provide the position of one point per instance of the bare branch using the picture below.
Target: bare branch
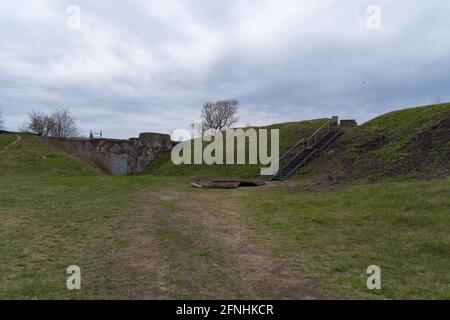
(64, 124)
(219, 115)
(61, 124)
(38, 123)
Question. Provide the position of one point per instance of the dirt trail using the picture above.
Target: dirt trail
(150, 268)
(259, 276)
(140, 268)
(11, 144)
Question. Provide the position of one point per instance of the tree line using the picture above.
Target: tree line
(61, 123)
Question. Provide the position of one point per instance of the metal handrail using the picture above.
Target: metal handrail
(316, 136)
(295, 146)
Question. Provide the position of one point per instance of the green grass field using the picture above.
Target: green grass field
(153, 236)
(335, 235)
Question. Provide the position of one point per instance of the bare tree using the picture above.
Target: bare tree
(2, 122)
(60, 123)
(40, 123)
(219, 115)
(63, 124)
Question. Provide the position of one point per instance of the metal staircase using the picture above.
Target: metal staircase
(305, 150)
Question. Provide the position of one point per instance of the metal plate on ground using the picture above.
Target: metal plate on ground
(215, 184)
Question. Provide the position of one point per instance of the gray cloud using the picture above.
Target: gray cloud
(149, 65)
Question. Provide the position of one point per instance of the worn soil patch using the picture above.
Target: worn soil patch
(257, 274)
(429, 147)
(139, 268)
(190, 252)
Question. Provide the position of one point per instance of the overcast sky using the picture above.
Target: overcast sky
(136, 66)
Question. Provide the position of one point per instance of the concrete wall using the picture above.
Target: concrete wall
(119, 157)
(349, 123)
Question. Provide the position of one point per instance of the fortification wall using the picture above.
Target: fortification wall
(118, 157)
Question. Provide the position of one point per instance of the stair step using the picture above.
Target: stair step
(304, 157)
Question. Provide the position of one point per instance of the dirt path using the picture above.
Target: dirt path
(258, 275)
(177, 248)
(140, 268)
(11, 144)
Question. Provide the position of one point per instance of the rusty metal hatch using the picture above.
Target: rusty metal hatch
(217, 184)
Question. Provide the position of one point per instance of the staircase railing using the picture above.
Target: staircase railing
(303, 144)
(292, 153)
(318, 135)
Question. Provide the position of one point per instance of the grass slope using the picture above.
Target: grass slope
(33, 157)
(412, 143)
(290, 133)
(6, 139)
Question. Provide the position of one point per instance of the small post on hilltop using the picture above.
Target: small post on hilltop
(334, 121)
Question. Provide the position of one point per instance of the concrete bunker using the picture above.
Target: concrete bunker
(118, 157)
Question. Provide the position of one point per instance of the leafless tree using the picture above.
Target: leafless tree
(39, 123)
(64, 124)
(60, 123)
(219, 115)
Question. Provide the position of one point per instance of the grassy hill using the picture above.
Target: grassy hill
(32, 156)
(290, 133)
(410, 143)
